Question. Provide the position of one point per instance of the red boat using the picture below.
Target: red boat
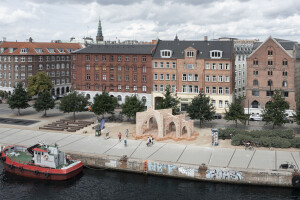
(40, 161)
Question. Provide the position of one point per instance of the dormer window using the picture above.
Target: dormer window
(11, 50)
(216, 54)
(24, 50)
(38, 50)
(165, 53)
(70, 50)
(51, 50)
(61, 50)
(190, 54)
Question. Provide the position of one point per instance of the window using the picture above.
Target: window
(111, 77)
(284, 73)
(168, 77)
(119, 58)
(207, 90)
(134, 68)
(270, 73)
(190, 66)
(190, 54)
(96, 57)
(88, 76)
(104, 68)
(111, 58)
(127, 87)
(144, 78)
(155, 65)
(190, 77)
(213, 102)
(127, 68)
(161, 64)
(214, 78)
(47, 66)
(87, 57)
(183, 77)
(119, 87)
(216, 54)
(16, 76)
(226, 104)
(103, 58)
(214, 66)
(165, 53)
(119, 68)
(155, 88)
(53, 75)
(270, 52)
(161, 77)
(57, 66)
(220, 103)
(255, 82)
(22, 75)
(196, 77)
(196, 89)
(220, 90)
(88, 86)
(104, 77)
(97, 77)
(103, 87)
(155, 77)
(16, 68)
(220, 78)
(134, 88)
(16, 58)
(270, 83)
(127, 58)
(173, 77)
(207, 66)
(161, 88)
(270, 62)
(174, 65)
(227, 79)
(284, 62)
(214, 90)
(285, 94)
(24, 50)
(220, 66)
(255, 62)
(227, 66)
(190, 89)
(144, 58)
(255, 73)
(40, 67)
(184, 88)
(173, 88)
(119, 77)
(57, 74)
(134, 78)
(255, 93)
(22, 59)
(167, 64)
(134, 59)
(144, 88)
(227, 90)
(207, 78)
(126, 77)
(284, 83)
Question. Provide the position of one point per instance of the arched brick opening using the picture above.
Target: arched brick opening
(171, 128)
(184, 131)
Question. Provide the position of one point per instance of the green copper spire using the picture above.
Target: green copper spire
(99, 28)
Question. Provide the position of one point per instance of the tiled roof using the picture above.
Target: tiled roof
(14, 48)
(286, 44)
(203, 48)
(118, 49)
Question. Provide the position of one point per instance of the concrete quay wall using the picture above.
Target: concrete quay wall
(188, 171)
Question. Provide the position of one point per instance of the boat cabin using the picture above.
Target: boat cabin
(48, 156)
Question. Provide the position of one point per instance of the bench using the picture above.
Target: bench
(71, 130)
(52, 128)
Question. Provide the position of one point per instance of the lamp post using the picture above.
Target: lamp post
(248, 111)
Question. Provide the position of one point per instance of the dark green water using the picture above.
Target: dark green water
(92, 184)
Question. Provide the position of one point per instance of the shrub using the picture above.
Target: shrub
(295, 142)
(225, 133)
(240, 138)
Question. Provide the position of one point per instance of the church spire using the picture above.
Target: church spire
(99, 37)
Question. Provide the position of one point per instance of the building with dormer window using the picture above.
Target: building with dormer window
(192, 66)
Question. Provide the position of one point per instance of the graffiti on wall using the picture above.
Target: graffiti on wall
(111, 163)
(186, 171)
(156, 167)
(171, 169)
(223, 174)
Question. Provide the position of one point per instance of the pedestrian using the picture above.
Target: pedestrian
(126, 133)
(125, 142)
(148, 141)
(120, 136)
(151, 140)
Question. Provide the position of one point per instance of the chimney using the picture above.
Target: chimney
(30, 40)
(205, 38)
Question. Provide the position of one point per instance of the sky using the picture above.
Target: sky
(46, 20)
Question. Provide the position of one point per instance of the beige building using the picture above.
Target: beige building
(191, 66)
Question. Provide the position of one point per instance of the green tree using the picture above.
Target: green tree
(73, 102)
(39, 83)
(132, 105)
(104, 103)
(19, 99)
(44, 102)
(236, 112)
(201, 108)
(297, 114)
(169, 101)
(275, 109)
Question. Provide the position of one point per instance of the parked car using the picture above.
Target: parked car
(255, 117)
(217, 116)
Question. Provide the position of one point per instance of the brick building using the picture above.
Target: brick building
(20, 60)
(121, 70)
(272, 66)
(189, 66)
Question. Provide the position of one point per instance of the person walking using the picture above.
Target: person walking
(126, 133)
(151, 140)
(120, 136)
(125, 142)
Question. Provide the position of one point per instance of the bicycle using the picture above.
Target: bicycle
(287, 166)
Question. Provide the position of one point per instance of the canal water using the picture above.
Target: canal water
(103, 184)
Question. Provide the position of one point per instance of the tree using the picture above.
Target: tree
(132, 105)
(73, 102)
(236, 112)
(275, 109)
(19, 99)
(297, 115)
(104, 103)
(41, 82)
(201, 108)
(169, 102)
(44, 102)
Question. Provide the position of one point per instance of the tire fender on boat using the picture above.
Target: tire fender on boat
(3, 158)
(46, 157)
(20, 168)
(10, 166)
(46, 175)
(36, 172)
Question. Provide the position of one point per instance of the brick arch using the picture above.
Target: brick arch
(146, 121)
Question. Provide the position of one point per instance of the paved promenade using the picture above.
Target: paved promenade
(167, 152)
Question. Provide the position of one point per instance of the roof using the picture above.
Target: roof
(14, 48)
(286, 44)
(203, 48)
(41, 150)
(118, 49)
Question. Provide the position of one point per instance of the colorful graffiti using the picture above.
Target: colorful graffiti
(223, 174)
(186, 171)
